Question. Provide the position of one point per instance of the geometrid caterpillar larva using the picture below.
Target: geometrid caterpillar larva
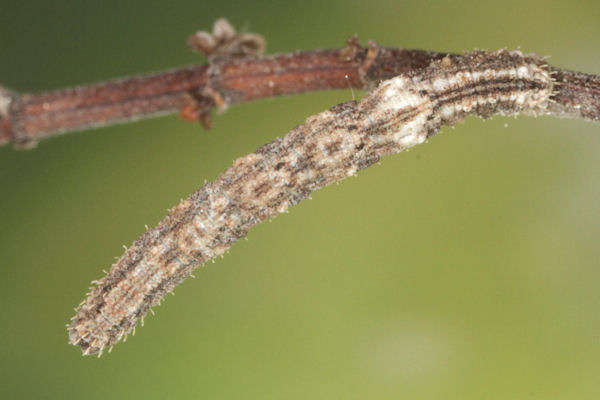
(400, 113)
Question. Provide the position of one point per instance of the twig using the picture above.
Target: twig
(236, 74)
(577, 95)
(25, 119)
(233, 78)
(32, 117)
(400, 113)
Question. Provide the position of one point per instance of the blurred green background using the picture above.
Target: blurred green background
(467, 268)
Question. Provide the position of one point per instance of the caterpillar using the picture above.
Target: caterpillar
(401, 112)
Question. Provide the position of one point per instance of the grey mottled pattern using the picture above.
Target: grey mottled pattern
(399, 113)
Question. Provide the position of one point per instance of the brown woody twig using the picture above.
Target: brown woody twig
(236, 74)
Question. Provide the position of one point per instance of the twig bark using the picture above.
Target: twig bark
(32, 117)
(25, 119)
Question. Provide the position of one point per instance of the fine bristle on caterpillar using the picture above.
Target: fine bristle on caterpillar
(401, 112)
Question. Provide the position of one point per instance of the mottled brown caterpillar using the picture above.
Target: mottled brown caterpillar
(399, 113)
